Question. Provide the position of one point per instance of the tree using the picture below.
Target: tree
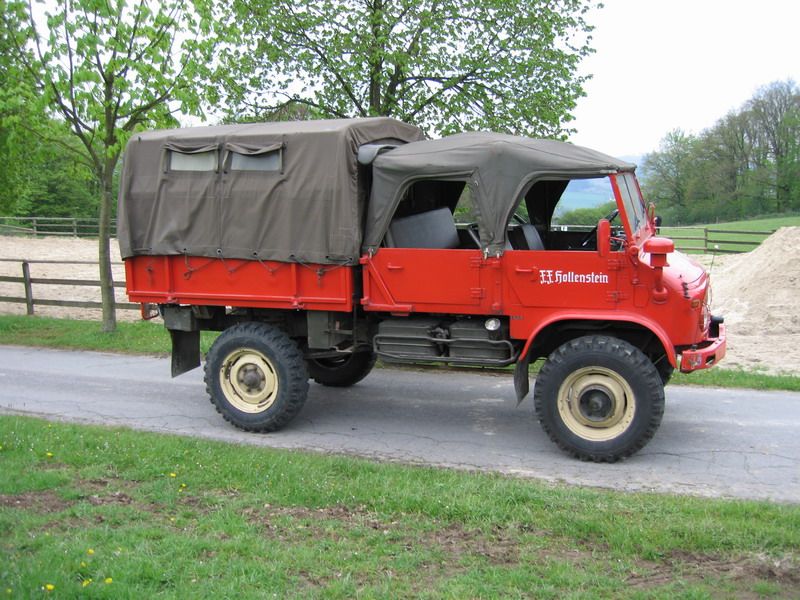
(775, 111)
(445, 65)
(667, 171)
(108, 69)
(748, 163)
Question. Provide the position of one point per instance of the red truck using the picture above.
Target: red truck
(317, 247)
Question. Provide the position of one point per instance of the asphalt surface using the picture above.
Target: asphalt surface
(712, 442)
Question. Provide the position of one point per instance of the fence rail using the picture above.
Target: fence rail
(30, 300)
(709, 240)
(66, 226)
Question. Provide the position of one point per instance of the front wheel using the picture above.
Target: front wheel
(599, 398)
(256, 377)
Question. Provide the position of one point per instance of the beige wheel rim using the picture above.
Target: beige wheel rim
(248, 380)
(596, 404)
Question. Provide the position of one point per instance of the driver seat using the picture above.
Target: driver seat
(532, 237)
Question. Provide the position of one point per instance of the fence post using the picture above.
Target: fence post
(705, 240)
(35, 233)
(26, 276)
(74, 227)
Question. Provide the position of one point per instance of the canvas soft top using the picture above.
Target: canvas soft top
(286, 191)
(499, 169)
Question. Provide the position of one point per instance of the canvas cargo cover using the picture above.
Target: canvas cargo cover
(499, 168)
(285, 191)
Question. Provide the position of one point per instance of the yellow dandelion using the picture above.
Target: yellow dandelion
(86, 582)
(109, 580)
(49, 587)
(90, 552)
(49, 455)
(173, 474)
(83, 565)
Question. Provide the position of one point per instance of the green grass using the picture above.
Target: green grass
(138, 337)
(147, 337)
(171, 517)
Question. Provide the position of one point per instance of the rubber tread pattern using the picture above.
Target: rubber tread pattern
(288, 361)
(645, 381)
(357, 367)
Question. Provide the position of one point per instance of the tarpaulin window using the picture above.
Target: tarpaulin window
(197, 161)
(255, 158)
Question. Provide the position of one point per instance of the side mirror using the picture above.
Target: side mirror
(658, 248)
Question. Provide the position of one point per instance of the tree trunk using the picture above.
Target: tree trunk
(106, 276)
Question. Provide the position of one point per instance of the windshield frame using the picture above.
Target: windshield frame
(630, 200)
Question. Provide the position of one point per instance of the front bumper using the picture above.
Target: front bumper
(705, 355)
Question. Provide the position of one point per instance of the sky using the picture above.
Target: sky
(666, 64)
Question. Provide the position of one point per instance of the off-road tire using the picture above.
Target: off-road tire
(341, 372)
(665, 370)
(599, 398)
(256, 377)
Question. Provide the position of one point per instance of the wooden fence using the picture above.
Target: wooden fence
(66, 226)
(708, 240)
(31, 300)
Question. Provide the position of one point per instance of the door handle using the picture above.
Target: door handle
(392, 267)
(523, 269)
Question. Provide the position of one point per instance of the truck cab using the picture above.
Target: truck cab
(480, 249)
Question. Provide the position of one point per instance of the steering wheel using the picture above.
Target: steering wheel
(609, 217)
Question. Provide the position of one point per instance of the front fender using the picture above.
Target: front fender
(521, 378)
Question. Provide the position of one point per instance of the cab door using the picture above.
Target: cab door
(405, 280)
(560, 278)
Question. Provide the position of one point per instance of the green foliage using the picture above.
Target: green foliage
(108, 69)
(586, 216)
(39, 177)
(747, 164)
(506, 65)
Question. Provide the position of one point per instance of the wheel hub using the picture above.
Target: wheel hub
(596, 403)
(249, 380)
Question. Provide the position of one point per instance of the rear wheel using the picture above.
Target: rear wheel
(341, 371)
(256, 377)
(599, 398)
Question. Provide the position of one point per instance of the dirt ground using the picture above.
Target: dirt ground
(756, 292)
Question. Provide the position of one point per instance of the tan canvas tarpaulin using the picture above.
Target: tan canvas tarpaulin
(196, 191)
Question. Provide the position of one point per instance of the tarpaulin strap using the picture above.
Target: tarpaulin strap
(270, 270)
(224, 264)
(189, 268)
(319, 270)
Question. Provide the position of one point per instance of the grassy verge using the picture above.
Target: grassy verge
(111, 513)
(137, 337)
(143, 337)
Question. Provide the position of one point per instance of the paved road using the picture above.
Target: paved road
(730, 443)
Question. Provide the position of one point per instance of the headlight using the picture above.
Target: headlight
(705, 318)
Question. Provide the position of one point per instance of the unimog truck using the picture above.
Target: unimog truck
(317, 247)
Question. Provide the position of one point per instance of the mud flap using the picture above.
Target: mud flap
(185, 351)
(521, 380)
